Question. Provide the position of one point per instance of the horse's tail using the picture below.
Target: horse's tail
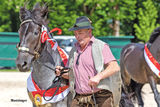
(126, 100)
(125, 95)
(124, 74)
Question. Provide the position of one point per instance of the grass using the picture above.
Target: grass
(9, 70)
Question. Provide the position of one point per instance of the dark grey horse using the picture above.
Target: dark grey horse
(32, 53)
(134, 66)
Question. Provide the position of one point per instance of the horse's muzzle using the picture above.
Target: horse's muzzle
(23, 62)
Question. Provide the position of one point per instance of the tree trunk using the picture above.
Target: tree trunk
(116, 27)
(116, 23)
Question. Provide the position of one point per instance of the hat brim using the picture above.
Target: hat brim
(78, 28)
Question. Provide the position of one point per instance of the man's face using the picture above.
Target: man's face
(83, 36)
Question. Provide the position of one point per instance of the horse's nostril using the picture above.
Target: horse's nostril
(24, 64)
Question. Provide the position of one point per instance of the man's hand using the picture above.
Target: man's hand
(94, 81)
(59, 69)
(110, 68)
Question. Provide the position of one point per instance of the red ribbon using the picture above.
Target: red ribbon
(152, 59)
(45, 36)
(56, 29)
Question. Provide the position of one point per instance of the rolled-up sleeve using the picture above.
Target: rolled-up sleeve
(107, 54)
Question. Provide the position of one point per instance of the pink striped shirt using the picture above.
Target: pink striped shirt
(86, 68)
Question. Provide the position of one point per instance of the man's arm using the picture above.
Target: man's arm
(110, 68)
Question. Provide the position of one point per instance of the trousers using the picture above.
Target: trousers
(103, 98)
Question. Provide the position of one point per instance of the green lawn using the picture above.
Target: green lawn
(9, 70)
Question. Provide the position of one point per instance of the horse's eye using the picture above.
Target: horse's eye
(35, 33)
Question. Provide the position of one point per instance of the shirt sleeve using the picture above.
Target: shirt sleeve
(107, 54)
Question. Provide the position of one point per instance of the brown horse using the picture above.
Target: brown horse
(35, 53)
(134, 65)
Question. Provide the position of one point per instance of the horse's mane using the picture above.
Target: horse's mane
(38, 14)
(154, 35)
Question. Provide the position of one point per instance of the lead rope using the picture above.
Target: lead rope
(94, 99)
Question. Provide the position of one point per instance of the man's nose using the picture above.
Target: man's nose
(77, 35)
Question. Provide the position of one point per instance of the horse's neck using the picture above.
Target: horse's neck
(43, 75)
(155, 49)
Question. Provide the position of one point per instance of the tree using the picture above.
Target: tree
(9, 14)
(66, 12)
(147, 18)
(120, 12)
(128, 16)
(109, 17)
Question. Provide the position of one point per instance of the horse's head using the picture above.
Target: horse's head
(30, 44)
(154, 42)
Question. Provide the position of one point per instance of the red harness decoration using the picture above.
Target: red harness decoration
(45, 37)
(151, 61)
(50, 92)
(37, 93)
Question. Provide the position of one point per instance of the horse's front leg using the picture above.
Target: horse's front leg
(154, 89)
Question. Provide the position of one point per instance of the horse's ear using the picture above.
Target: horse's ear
(44, 11)
(154, 35)
(24, 14)
(36, 6)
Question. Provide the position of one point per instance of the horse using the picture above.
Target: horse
(140, 63)
(40, 53)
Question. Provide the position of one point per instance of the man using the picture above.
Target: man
(94, 76)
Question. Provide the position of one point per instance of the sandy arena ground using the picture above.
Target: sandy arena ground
(13, 91)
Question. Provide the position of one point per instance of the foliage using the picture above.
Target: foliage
(127, 16)
(62, 14)
(102, 13)
(147, 21)
(67, 11)
(99, 11)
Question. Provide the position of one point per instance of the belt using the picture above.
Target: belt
(87, 94)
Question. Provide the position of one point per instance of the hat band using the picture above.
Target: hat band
(83, 24)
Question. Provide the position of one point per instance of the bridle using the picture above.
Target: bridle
(35, 53)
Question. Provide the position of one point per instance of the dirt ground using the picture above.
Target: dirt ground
(13, 91)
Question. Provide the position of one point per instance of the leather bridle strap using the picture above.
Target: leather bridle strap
(25, 49)
(25, 21)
